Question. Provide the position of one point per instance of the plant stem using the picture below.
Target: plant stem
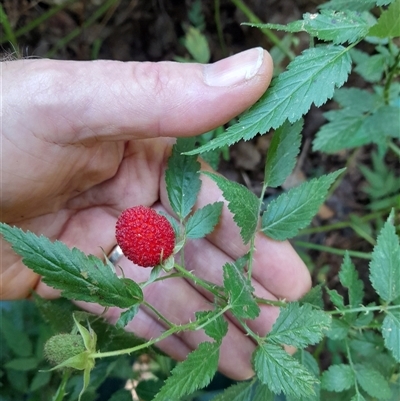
(388, 83)
(323, 248)
(59, 395)
(165, 334)
(281, 304)
(342, 224)
(394, 147)
(217, 19)
(159, 315)
(42, 18)
(75, 32)
(381, 308)
(214, 289)
(267, 32)
(9, 32)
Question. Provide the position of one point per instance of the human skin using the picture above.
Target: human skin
(82, 141)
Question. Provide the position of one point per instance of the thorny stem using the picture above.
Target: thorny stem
(214, 289)
(165, 334)
(159, 315)
(380, 308)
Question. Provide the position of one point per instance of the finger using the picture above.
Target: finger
(111, 100)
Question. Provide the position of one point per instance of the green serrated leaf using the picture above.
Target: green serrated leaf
(314, 297)
(338, 378)
(336, 298)
(80, 277)
(216, 328)
(203, 221)
(346, 129)
(127, 316)
(391, 333)
(388, 25)
(183, 178)
(307, 360)
(380, 3)
(355, 5)
(358, 397)
(391, 128)
(240, 291)
(385, 263)
(299, 326)
(238, 392)
(372, 382)
(358, 100)
(282, 152)
(197, 45)
(311, 78)
(339, 329)
(372, 68)
(330, 25)
(243, 204)
(192, 374)
(349, 278)
(282, 373)
(294, 210)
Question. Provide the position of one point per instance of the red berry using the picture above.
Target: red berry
(145, 237)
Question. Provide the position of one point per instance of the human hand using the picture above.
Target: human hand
(81, 141)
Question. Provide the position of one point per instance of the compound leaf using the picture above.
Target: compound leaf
(385, 263)
(349, 278)
(242, 203)
(240, 291)
(194, 373)
(182, 178)
(310, 78)
(299, 325)
(391, 333)
(338, 378)
(281, 372)
(78, 276)
(203, 221)
(282, 152)
(294, 210)
(388, 25)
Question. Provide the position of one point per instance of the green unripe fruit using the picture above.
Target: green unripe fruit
(61, 347)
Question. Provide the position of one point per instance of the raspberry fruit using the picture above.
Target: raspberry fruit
(145, 237)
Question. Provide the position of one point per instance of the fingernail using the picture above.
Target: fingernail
(235, 69)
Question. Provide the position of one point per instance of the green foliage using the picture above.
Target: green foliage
(238, 287)
(388, 25)
(310, 79)
(61, 268)
(195, 372)
(282, 152)
(357, 330)
(182, 178)
(203, 221)
(292, 211)
(242, 203)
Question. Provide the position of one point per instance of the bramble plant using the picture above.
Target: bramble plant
(364, 336)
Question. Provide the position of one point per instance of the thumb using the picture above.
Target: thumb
(113, 100)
